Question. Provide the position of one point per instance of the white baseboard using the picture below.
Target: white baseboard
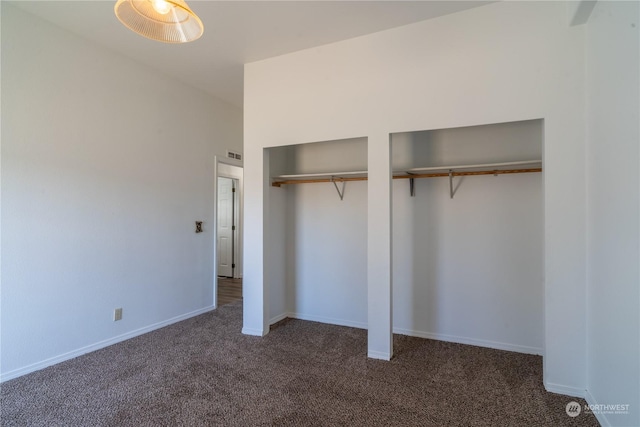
(97, 346)
(278, 318)
(602, 418)
(253, 331)
(329, 320)
(429, 335)
(380, 355)
(470, 341)
(563, 389)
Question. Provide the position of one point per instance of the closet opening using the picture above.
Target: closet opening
(316, 264)
(468, 240)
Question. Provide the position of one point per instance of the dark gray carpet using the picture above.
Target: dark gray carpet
(203, 371)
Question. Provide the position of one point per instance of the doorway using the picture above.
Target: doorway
(228, 232)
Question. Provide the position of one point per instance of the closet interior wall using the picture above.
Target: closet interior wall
(469, 269)
(320, 270)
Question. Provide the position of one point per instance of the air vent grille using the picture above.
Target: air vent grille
(234, 155)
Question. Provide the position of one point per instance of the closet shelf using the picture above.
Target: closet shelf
(307, 178)
(484, 167)
(525, 166)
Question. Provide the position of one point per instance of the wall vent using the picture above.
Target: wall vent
(234, 155)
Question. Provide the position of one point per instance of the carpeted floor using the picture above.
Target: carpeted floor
(204, 372)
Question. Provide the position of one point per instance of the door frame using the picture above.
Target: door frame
(228, 168)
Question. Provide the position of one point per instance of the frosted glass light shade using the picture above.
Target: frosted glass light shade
(169, 21)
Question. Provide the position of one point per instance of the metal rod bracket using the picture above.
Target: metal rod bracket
(340, 192)
(451, 182)
(412, 188)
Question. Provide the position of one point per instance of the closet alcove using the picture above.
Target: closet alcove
(468, 252)
(322, 259)
(467, 227)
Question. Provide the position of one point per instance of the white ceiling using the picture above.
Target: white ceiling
(238, 32)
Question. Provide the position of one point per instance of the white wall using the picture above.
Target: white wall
(469, 269)
(613, 316)
(498, 142)
(327, 253)
(105, 167)
(503, 62)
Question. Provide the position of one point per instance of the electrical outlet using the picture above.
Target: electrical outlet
(117, 314)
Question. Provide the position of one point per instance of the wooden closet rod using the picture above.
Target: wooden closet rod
(313, 180)
(421, 175)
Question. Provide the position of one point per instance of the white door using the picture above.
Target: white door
(225, 227)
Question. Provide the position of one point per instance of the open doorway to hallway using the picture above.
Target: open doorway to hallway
(229, 290)
(228, 236)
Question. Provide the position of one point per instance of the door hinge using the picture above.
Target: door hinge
(233, 228)
(233, 266)
(233, 190)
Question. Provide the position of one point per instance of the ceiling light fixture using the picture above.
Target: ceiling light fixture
(169, 21)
